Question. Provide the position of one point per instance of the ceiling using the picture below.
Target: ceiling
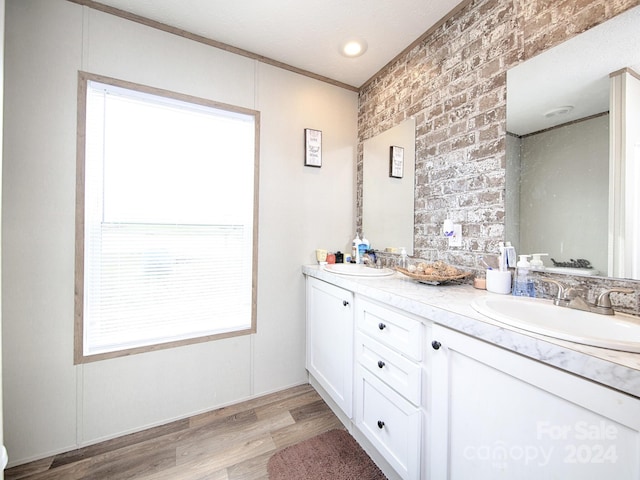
(304, 35)
(574, 73)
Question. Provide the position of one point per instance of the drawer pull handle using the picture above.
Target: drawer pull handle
(382, 326)
(381, 363)
(436, 345)
(380, 424)
(345, 303)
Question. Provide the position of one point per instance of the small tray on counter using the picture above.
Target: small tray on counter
(433, 279)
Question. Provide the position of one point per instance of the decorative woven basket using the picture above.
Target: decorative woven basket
(432, 279)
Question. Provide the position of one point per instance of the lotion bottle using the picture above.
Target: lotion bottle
(403, 263)
(523, 285)
(536, 262)
(363, 246)
(354, 248)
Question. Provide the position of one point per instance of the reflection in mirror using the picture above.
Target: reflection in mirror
(387, 201)
(563, 183)
(570, 151)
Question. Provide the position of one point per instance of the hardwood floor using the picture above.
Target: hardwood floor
(230, 443)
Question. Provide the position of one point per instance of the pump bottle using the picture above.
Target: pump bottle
(523, 285)
(354, 248)
(362, 248)
(536, 262)
(403, 263)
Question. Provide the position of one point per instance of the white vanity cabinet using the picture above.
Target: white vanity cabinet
(431, 403)
(497, 414)
(330, 340)
(388, 352)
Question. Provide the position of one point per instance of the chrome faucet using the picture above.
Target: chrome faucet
(562, 299)
(603, 302)
(370, 261)
(575, 298)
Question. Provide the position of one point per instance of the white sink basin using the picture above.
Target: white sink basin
(358, 270)
(617, 332)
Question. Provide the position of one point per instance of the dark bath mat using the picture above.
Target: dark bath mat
(333, 455)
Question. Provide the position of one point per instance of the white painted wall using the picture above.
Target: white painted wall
(387, 203)
(3, 453)
(50, 405)
(624, 176)
(564, 191)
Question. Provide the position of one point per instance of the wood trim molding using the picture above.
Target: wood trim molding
(79, 357)
(208, 41)
(566, 124)
(628, 70)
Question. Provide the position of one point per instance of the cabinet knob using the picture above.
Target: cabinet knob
(380, 424)
(382, 326)
(345, 303)
(381, 363)
(436, 345)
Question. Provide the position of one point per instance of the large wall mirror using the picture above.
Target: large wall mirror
(573, 151)
(388, 187)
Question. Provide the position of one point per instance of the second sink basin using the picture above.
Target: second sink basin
(617, 332)
(358, 270)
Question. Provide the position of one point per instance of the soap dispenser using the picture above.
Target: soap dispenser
(354, 249)
(363, 246)
(536, 262)
(403, 262)
(523, 285)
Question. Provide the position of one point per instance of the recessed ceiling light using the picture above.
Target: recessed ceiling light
(559, 111)
(354, 47)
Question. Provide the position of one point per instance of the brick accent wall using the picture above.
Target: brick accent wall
(453, 82)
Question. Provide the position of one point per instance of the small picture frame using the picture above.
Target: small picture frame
(312, 148)
(396, 161)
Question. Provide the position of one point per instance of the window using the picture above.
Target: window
(166, 221)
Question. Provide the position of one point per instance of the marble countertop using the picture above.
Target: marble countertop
(450, 306)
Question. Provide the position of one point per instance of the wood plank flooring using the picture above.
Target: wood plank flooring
(230, 443)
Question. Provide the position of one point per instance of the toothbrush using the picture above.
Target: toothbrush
(485, 264)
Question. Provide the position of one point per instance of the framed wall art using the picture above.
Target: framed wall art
(312, 147)
(396, 161)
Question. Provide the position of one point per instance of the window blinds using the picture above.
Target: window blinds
(168, 222)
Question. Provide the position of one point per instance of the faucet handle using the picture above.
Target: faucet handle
(561, 287)
(605, 301)
(561, 298)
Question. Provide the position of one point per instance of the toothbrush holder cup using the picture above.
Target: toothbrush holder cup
(499, 281)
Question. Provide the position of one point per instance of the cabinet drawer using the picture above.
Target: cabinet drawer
(400, 373)
(390, 423)
(391, 328)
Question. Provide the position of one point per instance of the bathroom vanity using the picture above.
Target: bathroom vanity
(434, 390)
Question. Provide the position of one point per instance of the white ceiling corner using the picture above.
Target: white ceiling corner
(304, 35)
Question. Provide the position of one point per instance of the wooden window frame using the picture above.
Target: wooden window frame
(79, 356)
